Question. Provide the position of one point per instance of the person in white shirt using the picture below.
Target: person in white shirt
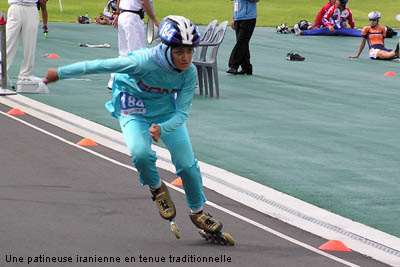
(110, 9)
(129, 21)
(107, 17)
(22, 24)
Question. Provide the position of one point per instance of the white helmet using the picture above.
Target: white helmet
(178, 30)
(374, 15)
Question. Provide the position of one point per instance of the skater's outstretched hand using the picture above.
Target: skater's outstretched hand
(155, 132)
(51, 76)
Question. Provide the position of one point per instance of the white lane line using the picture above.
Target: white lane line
(234, 214)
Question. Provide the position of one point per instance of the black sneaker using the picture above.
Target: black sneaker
(232, 71)
(283, 28)
(294, 57)
(45, 31)
(247, 71)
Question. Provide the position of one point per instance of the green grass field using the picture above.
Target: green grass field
(271, 13)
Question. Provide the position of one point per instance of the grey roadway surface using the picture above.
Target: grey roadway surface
(57, 200)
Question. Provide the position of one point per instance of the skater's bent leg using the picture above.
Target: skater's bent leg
(193, 185)
(178, 144)
(386, 55)
(138, 140)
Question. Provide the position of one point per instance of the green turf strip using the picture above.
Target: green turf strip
(271, 12)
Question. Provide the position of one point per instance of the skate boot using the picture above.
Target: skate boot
(166, 207)
(45, 31)
(210, 229)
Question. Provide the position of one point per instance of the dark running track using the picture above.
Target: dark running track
(59, 201)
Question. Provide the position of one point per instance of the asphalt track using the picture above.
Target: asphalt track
(57, 200)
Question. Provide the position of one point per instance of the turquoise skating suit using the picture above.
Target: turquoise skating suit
(148, 89)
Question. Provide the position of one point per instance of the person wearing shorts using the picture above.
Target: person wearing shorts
(375, 34)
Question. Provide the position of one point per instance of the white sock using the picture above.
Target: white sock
(158, 186)
(196, 210)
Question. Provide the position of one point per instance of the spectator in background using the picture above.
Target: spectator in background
(375, 35)
(318, 18)
(42, 5)
(22, 24)
(304, 25)
(129, 21)
(244, 22)
(336, 21)
(109, 12)
(110, 8)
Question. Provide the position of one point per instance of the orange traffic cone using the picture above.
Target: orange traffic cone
(390, 74)
(87, 142)
(53, 56)
(334, 245)
(177, 182)
(15, 112)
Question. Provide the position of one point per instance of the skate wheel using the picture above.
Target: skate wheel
(204, 235)
(218, 238)
(175, 230)
(228, 239)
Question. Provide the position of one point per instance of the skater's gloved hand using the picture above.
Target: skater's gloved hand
(155, 132)
(51, 76)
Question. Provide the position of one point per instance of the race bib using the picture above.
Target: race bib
(131, 105)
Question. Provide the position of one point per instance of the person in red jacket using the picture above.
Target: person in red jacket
(318, 18)
(336, 21)
(338, 16)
